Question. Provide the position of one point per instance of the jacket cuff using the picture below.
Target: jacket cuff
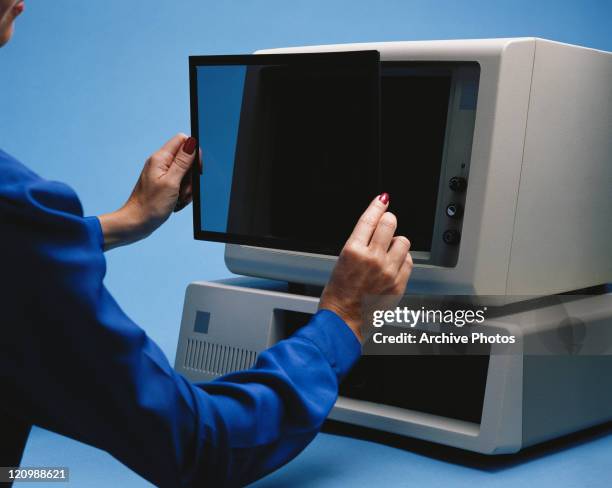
(95, 231)
(335, 339)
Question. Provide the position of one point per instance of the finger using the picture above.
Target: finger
(362, 233)
(174, 144)
(185, 195)
(405, 271)
(186, 188)
(180, 205)
(400, 246)
(186, 184)
(183, 160)
(381, 240)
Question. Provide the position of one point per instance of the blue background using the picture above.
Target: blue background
(89, 88)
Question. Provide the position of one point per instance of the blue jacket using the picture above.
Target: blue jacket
(72, 362)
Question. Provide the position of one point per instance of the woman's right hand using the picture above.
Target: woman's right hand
(373, 264)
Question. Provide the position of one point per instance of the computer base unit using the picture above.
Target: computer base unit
(493, 404)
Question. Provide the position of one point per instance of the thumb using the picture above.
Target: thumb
(183, 160)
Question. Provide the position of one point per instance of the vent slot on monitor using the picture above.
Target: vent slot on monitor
(217, 359)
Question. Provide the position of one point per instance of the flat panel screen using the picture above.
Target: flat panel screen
(290, 147)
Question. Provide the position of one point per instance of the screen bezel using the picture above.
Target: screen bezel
(331, 58)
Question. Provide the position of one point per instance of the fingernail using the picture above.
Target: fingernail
(384, 198)
(190, 145)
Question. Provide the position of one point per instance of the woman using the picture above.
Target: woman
(72, 362)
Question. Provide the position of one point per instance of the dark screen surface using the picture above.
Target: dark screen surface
(448, 386)
(296, 146)
(291, 151)
(414, 110)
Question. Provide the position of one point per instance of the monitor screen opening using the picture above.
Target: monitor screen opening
(295, 146)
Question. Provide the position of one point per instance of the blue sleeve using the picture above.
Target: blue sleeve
(74, 363)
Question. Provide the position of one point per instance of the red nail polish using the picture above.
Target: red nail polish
(190, 145)
(384, 198)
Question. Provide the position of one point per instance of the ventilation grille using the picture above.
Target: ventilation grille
(217, 359)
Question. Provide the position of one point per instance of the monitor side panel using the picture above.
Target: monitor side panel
(505, 77)
(563, 226)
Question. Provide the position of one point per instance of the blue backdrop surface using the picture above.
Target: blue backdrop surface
(89, 89)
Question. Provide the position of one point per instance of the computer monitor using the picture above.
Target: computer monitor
(495, 154)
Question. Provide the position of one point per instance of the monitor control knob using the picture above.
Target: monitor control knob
(454, 210)
(457, 184)
(451, 237)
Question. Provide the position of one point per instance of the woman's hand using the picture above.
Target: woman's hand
(164, 186)
(373, 264)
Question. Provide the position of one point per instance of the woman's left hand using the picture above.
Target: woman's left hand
(164, 186)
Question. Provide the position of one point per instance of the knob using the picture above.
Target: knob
(458, 184)
(454, 210)
(451, 237)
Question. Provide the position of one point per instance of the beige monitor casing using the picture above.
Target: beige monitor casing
(538, 211)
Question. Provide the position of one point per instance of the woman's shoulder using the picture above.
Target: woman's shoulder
(22, 186)
(11, 170)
